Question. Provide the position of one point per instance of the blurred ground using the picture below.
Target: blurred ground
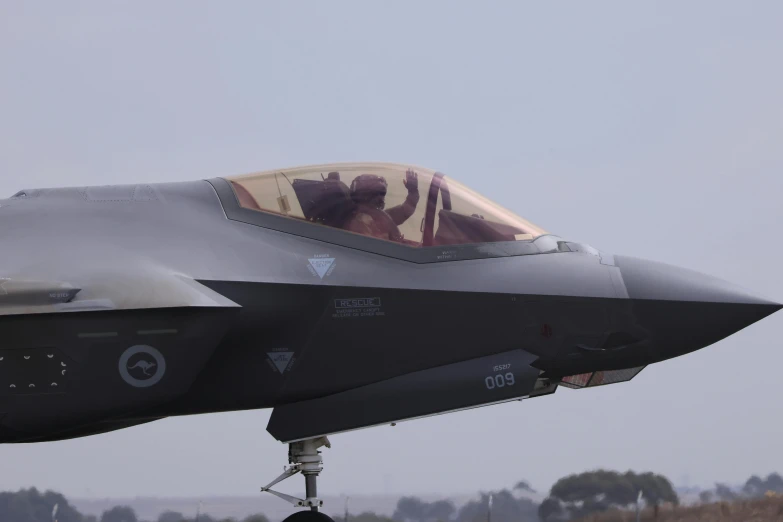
(762, 510)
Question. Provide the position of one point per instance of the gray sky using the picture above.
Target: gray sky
(648, 129)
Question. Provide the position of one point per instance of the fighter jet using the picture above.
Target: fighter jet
(342, 296)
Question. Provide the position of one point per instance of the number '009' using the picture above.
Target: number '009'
(499, 381)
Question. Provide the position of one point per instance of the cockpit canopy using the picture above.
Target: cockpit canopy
(412, 206)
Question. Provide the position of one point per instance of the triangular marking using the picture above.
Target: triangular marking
(280, 359)
(321, 265)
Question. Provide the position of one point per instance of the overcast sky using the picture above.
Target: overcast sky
(649, 129)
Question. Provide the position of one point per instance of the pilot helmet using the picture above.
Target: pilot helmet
(369, 188)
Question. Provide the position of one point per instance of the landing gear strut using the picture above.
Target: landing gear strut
(304, 458)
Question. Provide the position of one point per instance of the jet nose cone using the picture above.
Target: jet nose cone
(652, 280)
(684, 310)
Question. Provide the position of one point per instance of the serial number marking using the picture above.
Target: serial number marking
(501, 367)
(499, 380)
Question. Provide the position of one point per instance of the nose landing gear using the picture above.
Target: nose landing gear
(304, 458)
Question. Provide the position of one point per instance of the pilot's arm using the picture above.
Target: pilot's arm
(401, 213)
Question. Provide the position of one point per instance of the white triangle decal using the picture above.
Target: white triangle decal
(280, 359)
(321, 265)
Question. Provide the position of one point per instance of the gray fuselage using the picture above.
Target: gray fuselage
(225, 314)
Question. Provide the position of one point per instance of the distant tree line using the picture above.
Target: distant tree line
(507, 505)
(755, 487)
(30, 505)
(570, 498)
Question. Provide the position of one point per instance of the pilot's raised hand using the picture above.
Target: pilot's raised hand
(411, 181)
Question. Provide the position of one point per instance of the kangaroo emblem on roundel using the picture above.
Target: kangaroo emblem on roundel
(142, 366)
(145, 367)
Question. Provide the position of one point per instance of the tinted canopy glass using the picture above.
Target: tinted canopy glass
(406, 205)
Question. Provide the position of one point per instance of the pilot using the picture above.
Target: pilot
(368, 192)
